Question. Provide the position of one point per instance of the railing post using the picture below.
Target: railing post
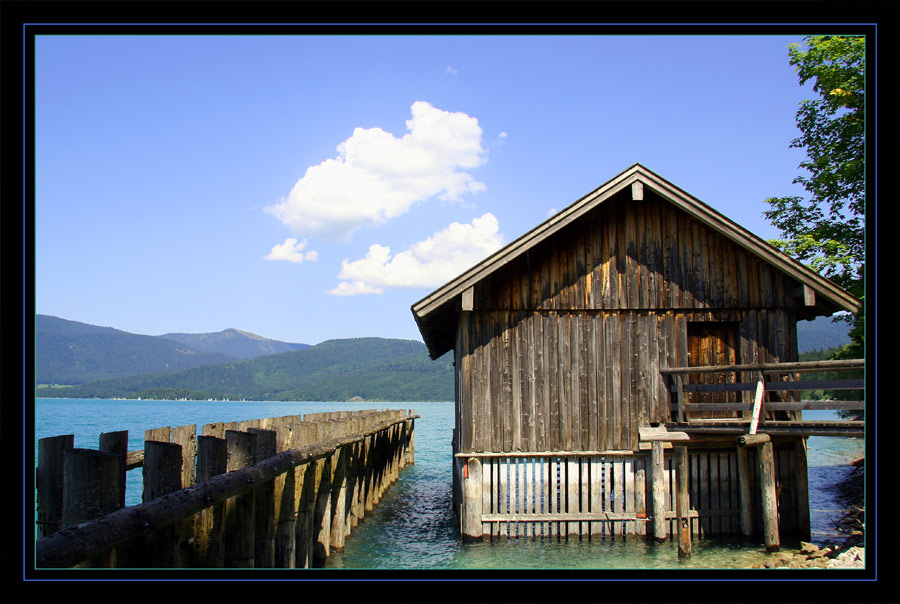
(758, 402)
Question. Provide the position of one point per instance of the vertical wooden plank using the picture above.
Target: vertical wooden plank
(488, 500)
(564, 378)
(465, 400)
(516, 354)
(627, 370)
(162, 472)
(574, 375)
(553, 495)
(239, 510)
(570, 493)
(585, 376)
(552, 376)
(50, 477)
(657, 476)
(264, 503)
(117, 443)
(485, 331)
(629, 495)
(640, 494)
(801, 489)
(186, 436)
(542, 403)
(208, 529)
(645, 373)
(608, 495)
(90, 490)
(613, 356)
(619, 495)
(526, 329)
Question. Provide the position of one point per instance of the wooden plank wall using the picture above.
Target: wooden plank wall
(635, 254)
(563, 348)
(577, 381)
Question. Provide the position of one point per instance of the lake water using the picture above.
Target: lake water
(414, 527)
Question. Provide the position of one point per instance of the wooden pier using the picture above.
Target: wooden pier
(271, 493)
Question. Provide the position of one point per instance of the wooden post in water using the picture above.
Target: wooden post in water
(339, 499)
(162, 475)
(746, 492)
(210, 524)
(305, 489)
(240, 525)
(322, 517)
(50, 479)
(285, 502)
(769, 498)
(683, 503)
(801, 482)
(471, 526)
(90, 490)
(264, 503)
(658, 490)
(117, 443)
(411, 445)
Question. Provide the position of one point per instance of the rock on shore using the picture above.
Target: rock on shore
(849, 554)
(813, 556)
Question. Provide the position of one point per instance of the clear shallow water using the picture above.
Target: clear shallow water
(414, 527)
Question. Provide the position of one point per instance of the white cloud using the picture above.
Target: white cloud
(346, 288)
(451, 70)
(377, 177)
(292, 251)
(428, 263)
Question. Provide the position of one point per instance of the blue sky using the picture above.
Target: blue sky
(308, 187)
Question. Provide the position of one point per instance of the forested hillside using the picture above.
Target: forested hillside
(373, 369)
(69, 352)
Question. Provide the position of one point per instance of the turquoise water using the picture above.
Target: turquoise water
(414, 527)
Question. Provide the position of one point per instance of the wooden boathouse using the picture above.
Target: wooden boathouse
(627, 368)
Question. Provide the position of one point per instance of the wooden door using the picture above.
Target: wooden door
(713, 343)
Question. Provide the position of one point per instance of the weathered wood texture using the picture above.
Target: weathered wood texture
(612, 495)
(277, 492)
(564, 346)
(636, 255)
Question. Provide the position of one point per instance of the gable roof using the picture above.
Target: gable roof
(435, 313)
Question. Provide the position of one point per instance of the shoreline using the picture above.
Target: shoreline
(850, 552)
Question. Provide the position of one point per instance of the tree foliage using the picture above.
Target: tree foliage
(827, 229)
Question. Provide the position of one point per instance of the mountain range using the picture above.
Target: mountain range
(77, 360)
(69, 352)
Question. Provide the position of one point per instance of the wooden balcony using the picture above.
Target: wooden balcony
(769, 400)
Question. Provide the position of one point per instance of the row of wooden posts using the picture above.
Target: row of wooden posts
(278, 493)
(602, 495)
